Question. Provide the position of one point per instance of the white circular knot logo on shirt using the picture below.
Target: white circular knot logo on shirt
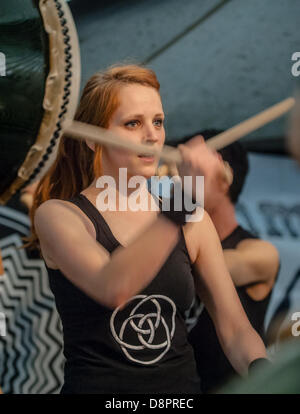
(144, 327)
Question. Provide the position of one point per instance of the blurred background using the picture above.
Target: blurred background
(218, 62)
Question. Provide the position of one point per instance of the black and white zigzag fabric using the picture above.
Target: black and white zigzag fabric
(31, 359)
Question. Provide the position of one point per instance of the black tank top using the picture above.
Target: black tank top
(212, 364)
(142, 348)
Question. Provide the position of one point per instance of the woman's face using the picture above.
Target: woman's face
(139, 118)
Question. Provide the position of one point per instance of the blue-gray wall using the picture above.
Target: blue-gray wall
(218, 62)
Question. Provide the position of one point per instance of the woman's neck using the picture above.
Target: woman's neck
(117, 188)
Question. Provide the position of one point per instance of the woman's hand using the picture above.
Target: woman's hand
(200, 160)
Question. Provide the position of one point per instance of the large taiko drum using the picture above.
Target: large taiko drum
(39, 87)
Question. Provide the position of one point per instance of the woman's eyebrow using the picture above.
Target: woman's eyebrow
(133, 116)
(141, 115)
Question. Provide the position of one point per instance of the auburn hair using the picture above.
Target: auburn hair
(76, 165)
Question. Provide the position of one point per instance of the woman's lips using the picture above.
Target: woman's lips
(147, 158)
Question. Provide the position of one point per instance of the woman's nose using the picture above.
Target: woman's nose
(150, 135)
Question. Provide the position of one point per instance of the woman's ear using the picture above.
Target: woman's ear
(90, 144)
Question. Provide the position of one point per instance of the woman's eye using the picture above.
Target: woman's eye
(158, 122)
(131, 124)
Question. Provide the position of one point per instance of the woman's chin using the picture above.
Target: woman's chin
(146, 171)
(149, 171)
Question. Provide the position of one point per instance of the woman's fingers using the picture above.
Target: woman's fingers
(195, 141)
(200, 160)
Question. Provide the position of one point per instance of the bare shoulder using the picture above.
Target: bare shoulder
(196, 232)
(53, 220)
(263, 247)
(58, 211)
(52, 207)
(49, 207)
(65, 242)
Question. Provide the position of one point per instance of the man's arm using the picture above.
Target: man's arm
(253, 261)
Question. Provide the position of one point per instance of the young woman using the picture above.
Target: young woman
(124, 280)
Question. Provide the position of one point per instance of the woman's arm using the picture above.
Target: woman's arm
(240, 342)
(110, 280)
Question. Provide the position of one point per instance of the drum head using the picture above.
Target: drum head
(40, 79)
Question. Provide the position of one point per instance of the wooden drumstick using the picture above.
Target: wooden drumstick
(102, 136)
(79, 130)
(255, 122)
(293, 135)
(27, 194)
(27, 200)
(240, 130)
